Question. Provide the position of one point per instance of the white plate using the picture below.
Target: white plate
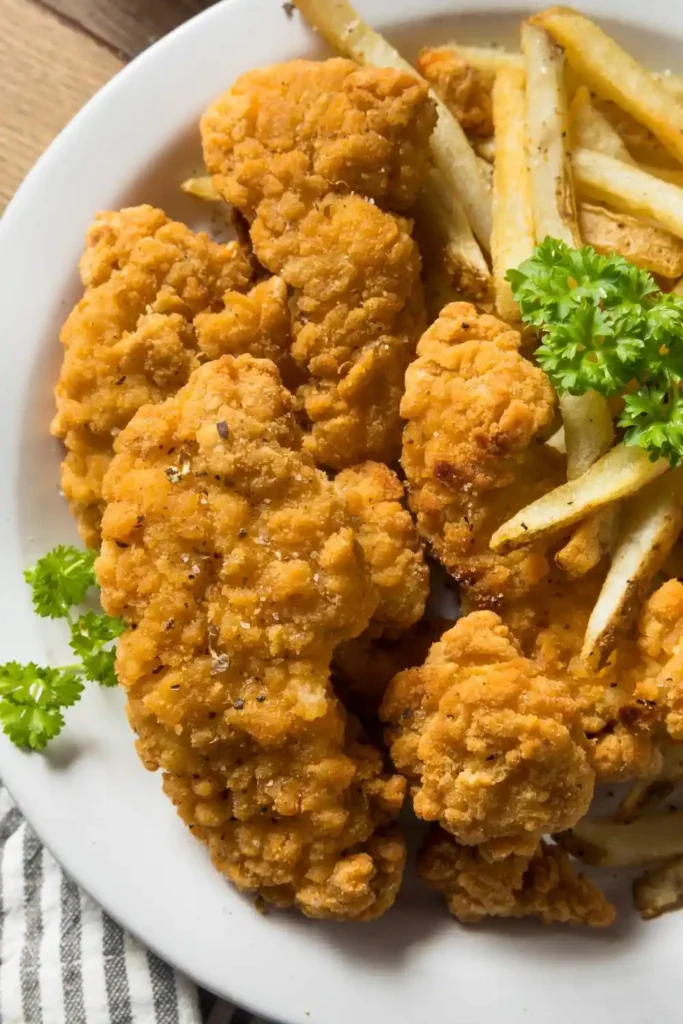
(88, 797)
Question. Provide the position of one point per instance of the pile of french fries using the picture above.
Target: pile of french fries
(587, 147)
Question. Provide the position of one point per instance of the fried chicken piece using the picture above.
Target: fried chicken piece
(234, 562)
(364, 667)
(131, 338)
(477, 412)
(543, 885)
(305, 150)
(464, 89)
(494, 749)
(391, 545)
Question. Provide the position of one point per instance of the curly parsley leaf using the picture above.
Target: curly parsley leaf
(31, 698)
(605, 325)
(91, 639)
(61, 579)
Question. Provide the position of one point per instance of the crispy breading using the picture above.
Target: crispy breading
(236, 565)
(628, 702)
(305, 150)
(130, 340)
(464, 89)
(543, 885)
(477, 411)
(493, 748)
(364, 667)
(391, 545)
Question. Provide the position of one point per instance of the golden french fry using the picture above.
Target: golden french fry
(485, 148)
(590, 129)
(447, 242)
(589, 543)
(201, 188)
(671, 82)
(608, 843)
(645, 244)
(341, 25)
(487, 59)
(547, 130)
(651, 522)
(621, 472)
(659, 890)
(644, 147)
(671, 174)
(615, 75)
(512, 239)
(629, 188)
(645, 795)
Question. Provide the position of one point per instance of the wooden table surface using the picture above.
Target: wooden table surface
(54, 54)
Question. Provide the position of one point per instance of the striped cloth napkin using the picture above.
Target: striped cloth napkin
(64, 961)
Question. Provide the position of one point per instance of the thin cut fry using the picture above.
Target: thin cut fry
(590, 129)
(487, 59)
(446, 238)
(607, 843)
(547, 129)
(611, 72)
(645, 795)
(201, 188)
(645, 244)
(659, 890)
(629, 188)
(619, 473)
(589, 433)
(650, 526)
(341, 25)
(512, 240)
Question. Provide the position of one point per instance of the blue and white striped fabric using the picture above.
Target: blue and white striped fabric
(64, 961)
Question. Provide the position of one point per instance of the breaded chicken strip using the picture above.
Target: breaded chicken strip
(391, 545)
(472, 453)
(236, 565)
(493, 749)
(465, 90)
(305, 150)
(543, 885)
(131, 338)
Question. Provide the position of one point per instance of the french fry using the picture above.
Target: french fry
(644, 147)
(446, 237)
(485, 148)
(629, 188)
(341, 25)
(201, 188)
(645, 244)
(645, 795)
(618, 474)
(589, 433)
(487, 59)
(671, 82)
(671, 174)
(651, 522)
(512, 240)
(611, 72)
(547, 129)
(607, 843)
(660, 890)
(590, 129)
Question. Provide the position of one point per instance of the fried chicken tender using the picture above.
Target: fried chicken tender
(391, 545)
(131, 338)
(235, 563)
(305, 150)
(464, 89)
(477, 412)
(494, 749)
(543, 885)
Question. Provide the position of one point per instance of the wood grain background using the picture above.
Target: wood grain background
(54, 54)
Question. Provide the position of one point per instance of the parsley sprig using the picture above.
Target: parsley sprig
(606, 325)
(32, 697)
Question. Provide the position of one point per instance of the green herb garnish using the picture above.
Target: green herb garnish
(606, 325)
(31, 696)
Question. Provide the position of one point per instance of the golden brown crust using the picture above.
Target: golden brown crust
(465, 90)
(543, 885)
(477, 411)
(288, 145)
(494, 749)
(131, 338)
(236, 565)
